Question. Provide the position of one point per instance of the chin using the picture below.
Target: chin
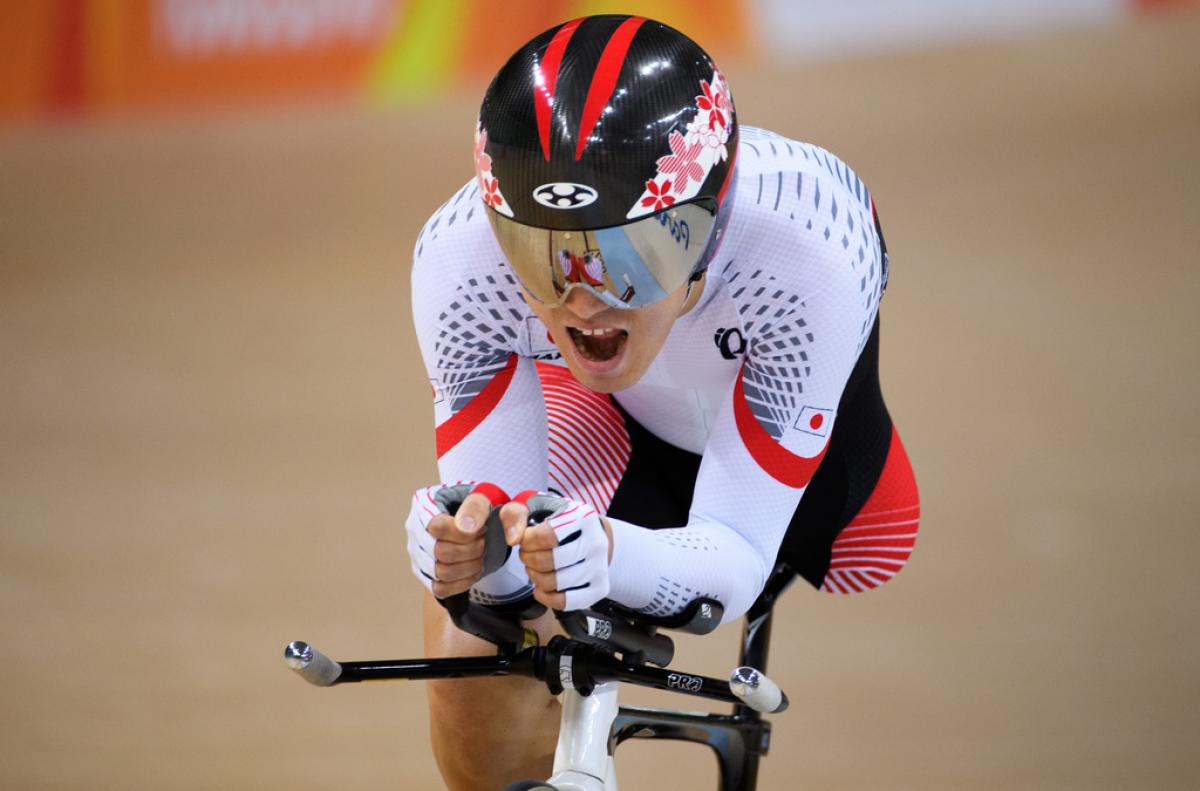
(603, 383)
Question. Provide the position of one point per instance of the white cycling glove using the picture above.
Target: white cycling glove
(428, 503)
(508, 583)
(581, 557)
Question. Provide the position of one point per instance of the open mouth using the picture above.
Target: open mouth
(598, 345)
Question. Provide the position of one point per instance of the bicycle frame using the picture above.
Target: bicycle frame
(739, 739)
(583, 761)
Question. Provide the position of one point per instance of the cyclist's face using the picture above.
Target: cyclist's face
(608, 349)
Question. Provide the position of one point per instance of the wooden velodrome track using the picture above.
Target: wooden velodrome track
(212, 411)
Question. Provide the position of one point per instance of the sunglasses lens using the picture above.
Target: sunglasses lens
(626, 266)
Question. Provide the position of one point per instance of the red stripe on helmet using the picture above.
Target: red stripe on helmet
(546, 77)
(604, 81)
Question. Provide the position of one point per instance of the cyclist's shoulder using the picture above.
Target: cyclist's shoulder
(761, 151)
(793, 183)
(802, 221)
(456, 242)
(460, 282)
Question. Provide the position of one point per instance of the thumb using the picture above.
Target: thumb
(472, 514)
(515, 517)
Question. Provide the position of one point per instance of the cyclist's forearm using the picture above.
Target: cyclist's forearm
(659, 572)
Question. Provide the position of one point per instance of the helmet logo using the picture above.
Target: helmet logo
(565, 195)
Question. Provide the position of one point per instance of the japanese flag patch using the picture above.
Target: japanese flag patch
(814, 420)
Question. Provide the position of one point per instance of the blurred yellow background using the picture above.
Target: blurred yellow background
(212, 413)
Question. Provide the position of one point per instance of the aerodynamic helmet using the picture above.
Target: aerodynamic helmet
(605, 153)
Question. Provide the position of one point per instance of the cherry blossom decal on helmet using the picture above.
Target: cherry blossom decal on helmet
(694, 154)
(489, 185)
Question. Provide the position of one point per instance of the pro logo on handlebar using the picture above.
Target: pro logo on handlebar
(599, 628)
(684, 682)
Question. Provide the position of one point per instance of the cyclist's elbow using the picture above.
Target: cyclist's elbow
(748, 570)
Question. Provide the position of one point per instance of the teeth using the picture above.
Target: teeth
(602, 331)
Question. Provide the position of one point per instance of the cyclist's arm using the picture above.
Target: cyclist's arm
(764, 448)
(488, 405)
(491, 424)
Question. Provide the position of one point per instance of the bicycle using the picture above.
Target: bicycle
(606, 645)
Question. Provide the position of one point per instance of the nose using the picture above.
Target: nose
(584, 304)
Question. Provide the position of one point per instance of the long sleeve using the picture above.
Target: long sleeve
(806, 300)
(472, 330)
(488, 408)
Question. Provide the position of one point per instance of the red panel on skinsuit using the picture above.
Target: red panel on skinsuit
(464, 422)
(878, 541)
(588, 445)
(776, 460)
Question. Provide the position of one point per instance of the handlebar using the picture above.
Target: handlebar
(586, 666)
(313, 666)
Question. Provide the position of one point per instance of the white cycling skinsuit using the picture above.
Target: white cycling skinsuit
(750, 378)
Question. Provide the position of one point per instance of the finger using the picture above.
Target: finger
(446, 552)
(472, 514)
(472, 570)
(539, 537)
(540, 560)
(585, 596)
(608, 535)
(515, 518)
(441, 522)
(445, 589)
(578, 576)
(555, 601)
(446, 528)
(543, 580)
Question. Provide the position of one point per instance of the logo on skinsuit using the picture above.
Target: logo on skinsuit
(814, 420)
(790, 469)
(731, 342)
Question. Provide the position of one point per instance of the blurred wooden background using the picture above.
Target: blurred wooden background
(212, 414)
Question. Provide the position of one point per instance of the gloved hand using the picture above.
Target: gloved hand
(447, 552)
(566, 552)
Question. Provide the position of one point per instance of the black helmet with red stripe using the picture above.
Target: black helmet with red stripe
(605, 152)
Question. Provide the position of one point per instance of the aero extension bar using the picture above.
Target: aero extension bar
(605, 646)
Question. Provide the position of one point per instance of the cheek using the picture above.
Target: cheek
(545, 314)
(652, 333)
(664, 316)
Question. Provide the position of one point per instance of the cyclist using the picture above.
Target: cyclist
(667, 324)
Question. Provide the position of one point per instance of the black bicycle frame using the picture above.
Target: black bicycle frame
(740, 739)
